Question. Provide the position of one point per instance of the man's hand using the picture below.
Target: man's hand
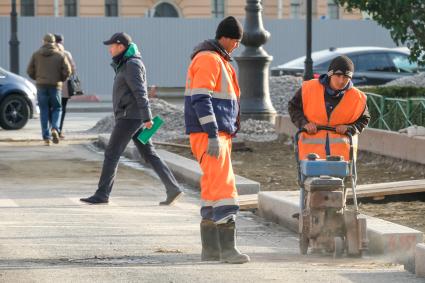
(148, 124)
(311, 128)
(214, 147)
(341, 129)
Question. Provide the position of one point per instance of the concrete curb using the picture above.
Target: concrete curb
(420, 260)
(391, 144)
(386, 238)
(184, 168)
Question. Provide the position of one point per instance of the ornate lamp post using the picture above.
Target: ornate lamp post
(308, 63)
(14, 42)
(253, 66)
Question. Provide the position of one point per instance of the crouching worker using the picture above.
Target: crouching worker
(212, 119)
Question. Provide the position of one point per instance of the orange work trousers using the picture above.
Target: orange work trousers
(218, 180)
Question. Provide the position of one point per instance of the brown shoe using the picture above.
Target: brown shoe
(55, 136)
(47, 142)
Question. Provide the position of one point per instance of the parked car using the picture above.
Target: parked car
(18, 101)
(372, 65)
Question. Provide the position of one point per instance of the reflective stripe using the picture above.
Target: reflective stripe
(313, 140)
(214, 94)
(224, 95)
(221, 202)
(339, 140)
(190, 92)
(207, 119)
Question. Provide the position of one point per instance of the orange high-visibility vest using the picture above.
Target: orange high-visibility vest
(348, 110)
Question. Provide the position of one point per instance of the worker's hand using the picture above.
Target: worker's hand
(341, 129)
(311, 128)
(214, 147)
(148, 124)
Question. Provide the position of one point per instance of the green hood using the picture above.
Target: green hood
(132, 51)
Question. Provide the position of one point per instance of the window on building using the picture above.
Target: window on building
(333, 10)
(165, 10)
(27, 8)
(218, 8)
(70, 8)
(111, 8)
(295, 9)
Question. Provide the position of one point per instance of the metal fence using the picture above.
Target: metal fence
(395, 113)
(166, 43)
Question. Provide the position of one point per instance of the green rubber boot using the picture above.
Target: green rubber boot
(209, 238)
(228, 251)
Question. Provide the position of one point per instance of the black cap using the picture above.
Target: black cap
(341, 65)
(229, 27)
(120, 38)
(58, 38)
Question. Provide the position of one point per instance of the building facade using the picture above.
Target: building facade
(272, 9)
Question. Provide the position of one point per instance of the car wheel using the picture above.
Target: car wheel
(14, 112)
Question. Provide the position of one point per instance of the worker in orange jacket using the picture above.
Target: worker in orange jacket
(212, 119)
(332, 101)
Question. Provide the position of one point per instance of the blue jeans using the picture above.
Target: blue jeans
(49, 102)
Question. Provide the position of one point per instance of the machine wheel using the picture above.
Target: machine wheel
(339, 247)
(304, 241)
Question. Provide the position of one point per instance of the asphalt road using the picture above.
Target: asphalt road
(47, 235)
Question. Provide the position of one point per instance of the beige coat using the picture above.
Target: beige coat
(65, 92)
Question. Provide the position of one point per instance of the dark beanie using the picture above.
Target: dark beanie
(341, 65)
(229, 27)
(59, 38)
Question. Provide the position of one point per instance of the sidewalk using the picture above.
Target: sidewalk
(47, 235)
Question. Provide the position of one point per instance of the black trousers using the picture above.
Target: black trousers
(125, 130)
(64, 103)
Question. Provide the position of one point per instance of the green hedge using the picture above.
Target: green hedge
(396, 91)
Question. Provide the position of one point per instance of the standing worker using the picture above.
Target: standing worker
(49, 68)
(132, 113)
(212, 119)
(65, 90)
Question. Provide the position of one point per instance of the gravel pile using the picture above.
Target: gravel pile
(281, 90)
(416, 80)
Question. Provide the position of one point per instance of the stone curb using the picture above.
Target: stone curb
(420, 260)
(184, 168)
(386, 238)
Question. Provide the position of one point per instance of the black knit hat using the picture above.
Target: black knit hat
(229, 27)
(59, 38)
(341, 65)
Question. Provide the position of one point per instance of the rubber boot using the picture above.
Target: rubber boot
(209, 238)
(228, 251)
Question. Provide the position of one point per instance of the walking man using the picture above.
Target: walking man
(212, 119)
(132, 113)
(49, 68)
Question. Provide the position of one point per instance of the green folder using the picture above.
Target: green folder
(146, 134)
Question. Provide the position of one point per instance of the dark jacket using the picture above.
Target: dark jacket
(295, 110)
(49, 67)
(130, 94)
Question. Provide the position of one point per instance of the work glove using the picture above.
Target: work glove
(214, 147)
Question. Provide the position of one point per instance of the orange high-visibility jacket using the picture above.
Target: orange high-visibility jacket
(211, 96)
(348, 110)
